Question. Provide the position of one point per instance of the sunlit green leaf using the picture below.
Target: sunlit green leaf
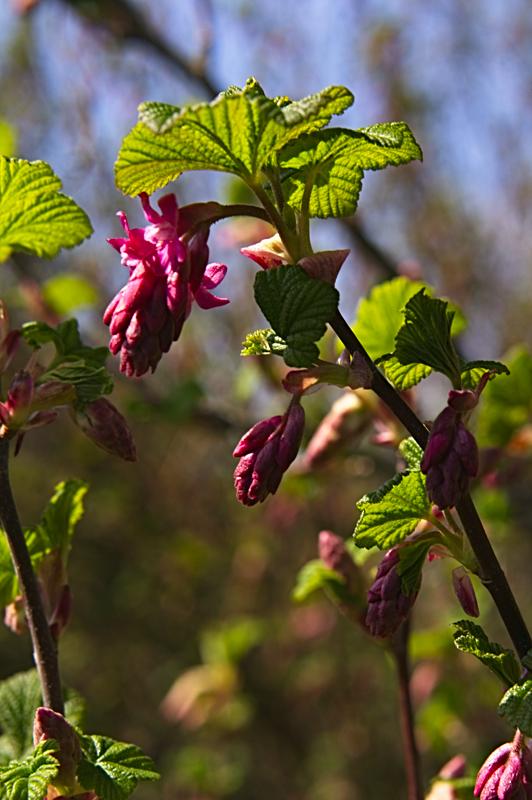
(238, 132)
(391, 513)
(35, 216)
(380, 315)
(29, 779)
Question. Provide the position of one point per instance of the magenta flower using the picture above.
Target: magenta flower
(168, 271)
(266, 451)
(506, 774)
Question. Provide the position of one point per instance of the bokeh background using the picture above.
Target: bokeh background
(185, 638)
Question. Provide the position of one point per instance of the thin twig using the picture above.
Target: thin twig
(399, 649)
(492, 574)
(44, 647)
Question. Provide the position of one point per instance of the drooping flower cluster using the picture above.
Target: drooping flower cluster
(450, 459)
(388, 603)
(168, 271)
(507, 772)
(265, 452)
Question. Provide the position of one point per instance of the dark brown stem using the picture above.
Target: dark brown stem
(44, 647)
(399, 648)
(492, 574)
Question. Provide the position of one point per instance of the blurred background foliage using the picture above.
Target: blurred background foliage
(185, 638)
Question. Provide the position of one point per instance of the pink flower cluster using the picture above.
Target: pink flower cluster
(168, 271)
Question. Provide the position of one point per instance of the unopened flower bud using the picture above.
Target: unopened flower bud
(465, 592)
(103, 423)
(388, 603)
(347, 420)
(15, 616)
(333, 553)
(267, 253)
(450, 459)
(17, 407)
(49, 724)
(266, 451)
(505, 775)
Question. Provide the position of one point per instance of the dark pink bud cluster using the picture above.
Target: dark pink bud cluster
(507, 772)
(388, 603)
(49, 724)
(450, 459)
(29, 406)
(266, 451)
(168, 271)
(103, 423)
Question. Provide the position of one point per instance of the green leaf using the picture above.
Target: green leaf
(35, 216)
(326, 168)
(238, 132)
(403, 376)
(20, 696)
(29, 779)
(314, 576)
(379, 316)
(75, 363)
(412, 559)
(56, 528)
(473, 371)
(298, 308)
(506, 403)
(52, 534)
(425, 337)
(67, 291)
(113, 769)
(391, 513)
(264, 342)
(471, 638)
(516, 706)
(411, 452)
(8, 579)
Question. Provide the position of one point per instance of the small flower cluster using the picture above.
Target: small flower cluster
(388, 603)
(265, 452)
(450, 459)
(168, 271)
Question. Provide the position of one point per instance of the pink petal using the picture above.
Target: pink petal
(214, 274)
(149, 212)
(207, 300)
(168, 206)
